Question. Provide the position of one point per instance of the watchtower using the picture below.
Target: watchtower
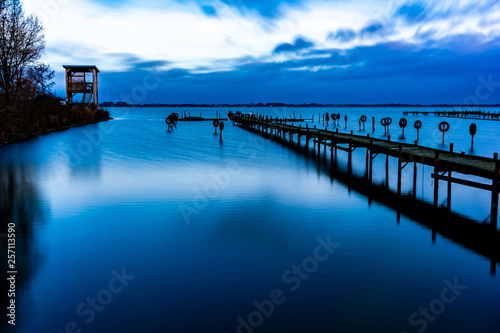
(81, 81)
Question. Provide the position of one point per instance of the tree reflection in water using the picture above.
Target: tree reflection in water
(20, 203)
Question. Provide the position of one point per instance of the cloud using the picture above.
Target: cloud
(197, 43)
(151, 64)
(209, 11)
(343, 35)
(372, 29)
(299, 44)
(412, 12)
(267, 8)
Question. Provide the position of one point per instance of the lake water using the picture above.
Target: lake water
(123, 226)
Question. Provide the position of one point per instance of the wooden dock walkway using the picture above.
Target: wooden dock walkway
(445, 163)
(195, 118)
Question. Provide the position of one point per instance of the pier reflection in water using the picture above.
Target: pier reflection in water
(122, 213)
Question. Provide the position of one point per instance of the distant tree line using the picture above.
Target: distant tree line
(277, 104)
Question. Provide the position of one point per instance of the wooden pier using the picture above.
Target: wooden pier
(195, 118)
(445, 163)
(456, 114)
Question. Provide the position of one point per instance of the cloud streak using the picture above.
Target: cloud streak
(194, 43)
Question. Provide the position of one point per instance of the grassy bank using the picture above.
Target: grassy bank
(44, 115)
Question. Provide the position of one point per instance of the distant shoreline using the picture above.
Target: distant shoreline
(313, 105)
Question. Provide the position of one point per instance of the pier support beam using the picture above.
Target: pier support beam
(415, 180)
(436, 179)
(349, 159)
(494, 194)
(400, 169)
(387, 171)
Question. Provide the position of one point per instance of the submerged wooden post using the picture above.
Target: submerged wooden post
(367, 160)
(448, 199)
(400, 153)
(331, 148)
(494, 194)
(436, 179)
(349, 158)
(371, 162)
(414, 179)
(387, 171)
(319, 144)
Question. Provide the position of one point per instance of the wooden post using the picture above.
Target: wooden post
(494, 194)
(324, 145)
(448, 199)
(414, 179)
(400, 153)
(349, 158)
(387, 171)
(319, 144)
(367, 159)
(371, 163)
(331, 148)
(436, 179)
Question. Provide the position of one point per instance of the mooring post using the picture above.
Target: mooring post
(448, 199)
(319, 144)
(367, 158)
(494, 193)
(331, 148)
(415, 179)
(371, 162)
(324, 145)
(349, 158)
(436, 179)
(400, 155)
(387, 171)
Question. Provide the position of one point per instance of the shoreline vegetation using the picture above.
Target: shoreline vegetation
(314, 105)
(45, 115)
(27, 107)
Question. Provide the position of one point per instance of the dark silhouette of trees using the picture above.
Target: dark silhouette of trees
(22, 43)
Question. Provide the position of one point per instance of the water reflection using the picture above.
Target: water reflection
(469, 233)
(20, 203)
(84, 154)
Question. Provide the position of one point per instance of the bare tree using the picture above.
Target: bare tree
(40, 76)
(22, 43)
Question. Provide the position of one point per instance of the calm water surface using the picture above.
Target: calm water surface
(125, 227)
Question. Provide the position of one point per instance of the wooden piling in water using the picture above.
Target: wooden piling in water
(400, 169)
(445, 163)
(494, 193)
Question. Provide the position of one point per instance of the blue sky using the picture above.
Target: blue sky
(296, 51)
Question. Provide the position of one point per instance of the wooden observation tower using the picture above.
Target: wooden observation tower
(81, 82)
